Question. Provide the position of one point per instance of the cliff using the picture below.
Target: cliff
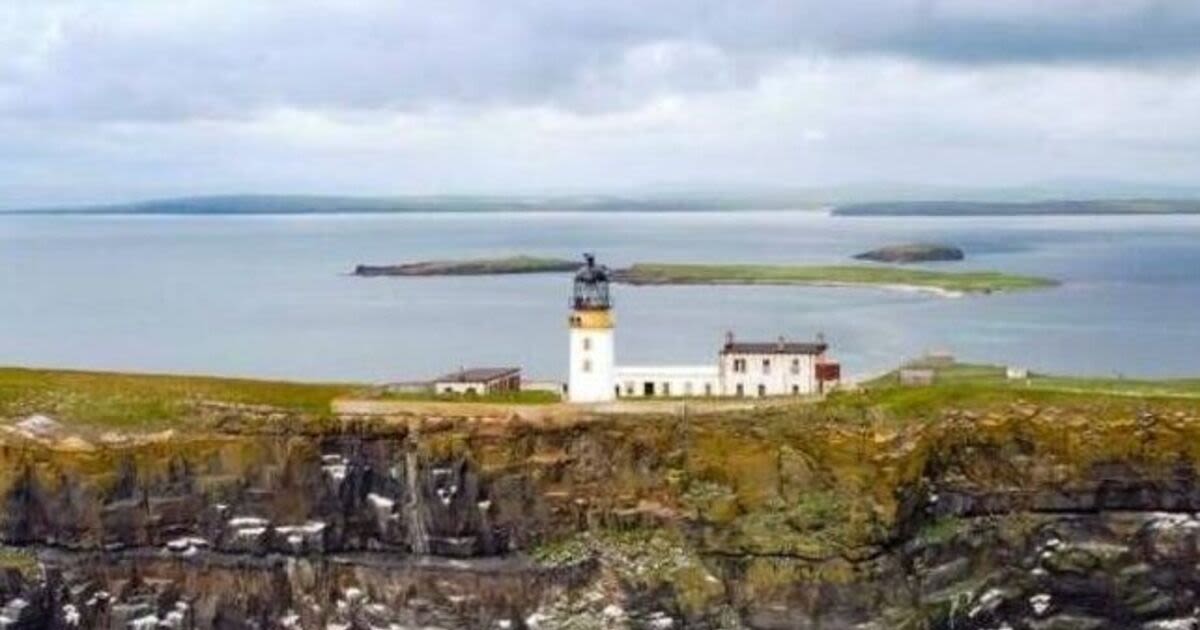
(963, 507)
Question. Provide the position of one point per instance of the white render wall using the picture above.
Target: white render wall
(668, 380)
(778, 380)
(591, 372)
(459, 387)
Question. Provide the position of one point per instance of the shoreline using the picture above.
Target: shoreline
(836, 284)
(907, 288)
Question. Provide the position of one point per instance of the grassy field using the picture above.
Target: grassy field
(959, 282)
(132, 401)
(152, 402)
(958, 382)
(474, 267)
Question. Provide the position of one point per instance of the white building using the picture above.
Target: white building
(778, 368)
(636, 381)
(591, 323)
(748, 369)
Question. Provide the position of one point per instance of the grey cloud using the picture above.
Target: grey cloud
(154, 60)
(108, 100)
(1081, 32)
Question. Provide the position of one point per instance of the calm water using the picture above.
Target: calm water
(268, 295)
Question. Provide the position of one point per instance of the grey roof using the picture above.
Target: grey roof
(773, 347)
(478, 375)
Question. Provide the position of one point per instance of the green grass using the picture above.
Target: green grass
(965, 282)
(524, 264)
(1174, 388)
(959, 383)
(995, 376)
(942, 530)
(512, 398)
(472, 267)
(131, 401)
(19, 559)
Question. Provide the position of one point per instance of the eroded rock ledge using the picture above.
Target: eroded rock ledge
(1032, 513)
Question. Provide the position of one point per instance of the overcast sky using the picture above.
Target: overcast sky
(108, 100)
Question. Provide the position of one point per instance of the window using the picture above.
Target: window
(628, 388)
(766, 366)
(708, 389)
(739, 366)
(741, 390)
(587, 365)
(795, 390)
(795, 366)
(666, 389)
(617, 390)
(587, 343)
(762, 391)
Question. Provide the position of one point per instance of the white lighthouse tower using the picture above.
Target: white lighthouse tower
(591, 323)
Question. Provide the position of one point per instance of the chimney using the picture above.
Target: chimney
(728, 338)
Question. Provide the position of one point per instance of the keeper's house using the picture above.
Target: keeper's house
(778, 368)
(742, 369)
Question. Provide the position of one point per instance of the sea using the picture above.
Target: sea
(272, 295)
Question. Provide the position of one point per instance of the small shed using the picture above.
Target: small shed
(479, 381)
(916, 376)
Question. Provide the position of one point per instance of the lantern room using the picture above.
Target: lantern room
(591, 287)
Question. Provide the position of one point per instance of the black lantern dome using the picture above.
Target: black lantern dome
(591, 287)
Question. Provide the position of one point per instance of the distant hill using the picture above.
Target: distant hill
(681, 202)
(304, 204)
(1054, 207)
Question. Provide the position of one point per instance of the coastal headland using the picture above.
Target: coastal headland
(973, 502)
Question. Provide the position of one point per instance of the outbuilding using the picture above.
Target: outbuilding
(479, 381)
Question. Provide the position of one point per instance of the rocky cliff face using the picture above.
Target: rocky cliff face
(1042, 513)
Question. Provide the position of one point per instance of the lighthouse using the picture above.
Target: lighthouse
(591, 336)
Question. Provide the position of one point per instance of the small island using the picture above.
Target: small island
(475, 267)
(886, 277)
(941, 282)
(913, 253)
